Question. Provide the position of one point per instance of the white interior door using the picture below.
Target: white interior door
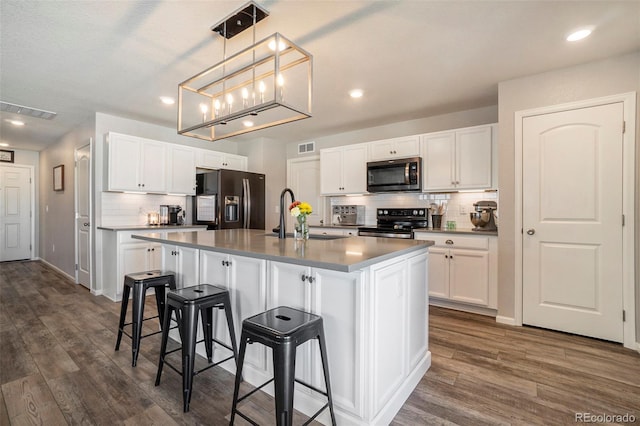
(15, 213)
(572, 221)
(303, 177)
(83, 215)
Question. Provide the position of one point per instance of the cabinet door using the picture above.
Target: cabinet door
(418, 309)
(331, 171)
(133, 258)
(469, 276)
(124, 163)
(153, 166)
(287, 288)
(473, 158)
(155, 256)
(354, 169)
(439, 272)
(182, 171)
(438, 156)
(407, 147)
(188, 266)
(381, 150)
(210, 159)
(235, 162)
(336, 296)
(248, 291)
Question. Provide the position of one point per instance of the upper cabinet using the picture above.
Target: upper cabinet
(394, 148)
(458, 159)
(136, 164)
(343, 170)
(206, 159)
(182, 166)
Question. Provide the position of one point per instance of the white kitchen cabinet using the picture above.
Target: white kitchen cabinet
(182, 170)
(136, 164)
(207, 159)
(336, 297)
(394, 148)
(462, 268)
(138, 257)
(184, 262)
(343, 170)
(459, 159)
(248, 298)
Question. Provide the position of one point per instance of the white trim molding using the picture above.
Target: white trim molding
(500, 319)
(628, 207)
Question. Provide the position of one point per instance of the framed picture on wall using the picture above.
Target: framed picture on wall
(6, 156)
(58, 178)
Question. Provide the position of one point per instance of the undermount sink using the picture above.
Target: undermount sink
(313, 236)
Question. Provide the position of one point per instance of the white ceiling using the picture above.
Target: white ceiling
(412, 58)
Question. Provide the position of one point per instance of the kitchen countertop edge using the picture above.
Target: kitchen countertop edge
(351, 267)
(150, 227)
(455, 231)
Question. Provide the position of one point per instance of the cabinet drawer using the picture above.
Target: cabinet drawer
(457, 241)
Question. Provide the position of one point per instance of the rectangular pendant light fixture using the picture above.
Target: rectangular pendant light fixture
(267, 84)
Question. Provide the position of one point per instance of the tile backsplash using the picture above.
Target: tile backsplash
(458, 204)
(121, 209)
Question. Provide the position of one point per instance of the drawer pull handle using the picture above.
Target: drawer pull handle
(449, 242)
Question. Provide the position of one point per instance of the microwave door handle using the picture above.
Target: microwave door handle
(406, 173)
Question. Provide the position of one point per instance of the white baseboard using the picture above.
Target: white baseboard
(638, 347)
(505, 320)
(52, 266)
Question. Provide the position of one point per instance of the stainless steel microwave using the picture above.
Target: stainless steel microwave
(397, 175)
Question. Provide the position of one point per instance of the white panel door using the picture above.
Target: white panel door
(15, 213)
(83, 219)
(572, 221)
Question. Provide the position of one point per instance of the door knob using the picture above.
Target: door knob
(531, 231)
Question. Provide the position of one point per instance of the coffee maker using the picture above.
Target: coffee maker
(170, 215)
(483, 218)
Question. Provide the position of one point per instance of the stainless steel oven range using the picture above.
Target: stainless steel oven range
(396, 223)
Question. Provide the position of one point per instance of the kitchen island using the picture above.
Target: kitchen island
(371, 293)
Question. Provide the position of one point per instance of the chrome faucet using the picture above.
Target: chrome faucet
(282, 231)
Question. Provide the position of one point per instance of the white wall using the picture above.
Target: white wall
(592, 80)
(56, 208)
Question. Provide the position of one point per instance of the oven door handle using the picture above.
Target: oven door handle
(385, 234)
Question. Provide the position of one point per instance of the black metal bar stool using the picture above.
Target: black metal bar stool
(140, 282)
(187, 303)
(283, 329)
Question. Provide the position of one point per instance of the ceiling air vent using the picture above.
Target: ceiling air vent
(307, 147)
(24, 110)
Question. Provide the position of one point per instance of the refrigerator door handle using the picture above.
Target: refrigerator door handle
(246, 188)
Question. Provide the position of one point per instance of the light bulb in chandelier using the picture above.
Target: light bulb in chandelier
(261, 89)
(245, 97)
(216, 107)
(229, 102)
(280, 83)
(204, 109)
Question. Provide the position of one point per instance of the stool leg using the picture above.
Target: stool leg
(232, 332)
(160, 302)
(284, 366)
(189, 332)
(165, 338)
(138, 313)
(207, 328)
(325, 369)
(123, 313)
(239, 363)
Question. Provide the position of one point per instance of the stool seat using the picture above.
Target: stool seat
(283, 329)
(187, 303)
(139, 283)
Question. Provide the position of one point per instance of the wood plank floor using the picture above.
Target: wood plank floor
(58, 366)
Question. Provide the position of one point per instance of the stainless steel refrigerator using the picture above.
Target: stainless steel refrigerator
(229, 199)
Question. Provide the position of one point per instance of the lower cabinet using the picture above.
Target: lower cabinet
(137, 257)
(336, 297)
(184, 262)
(245, 278)
(463, 268)
(323, 230)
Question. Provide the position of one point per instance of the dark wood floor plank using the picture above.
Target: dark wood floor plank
(58, 366)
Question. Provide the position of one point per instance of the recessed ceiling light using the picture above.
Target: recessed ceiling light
(356, 93)
(167, 100)
(15, 122)
(4, 144)
(579, 35)
(247, 123)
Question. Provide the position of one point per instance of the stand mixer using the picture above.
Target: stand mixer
(483, 218)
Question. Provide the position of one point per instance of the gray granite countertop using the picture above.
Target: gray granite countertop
(455, 231)
(151, 227)
(342, 254)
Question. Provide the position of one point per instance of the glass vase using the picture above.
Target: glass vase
(302, 228)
